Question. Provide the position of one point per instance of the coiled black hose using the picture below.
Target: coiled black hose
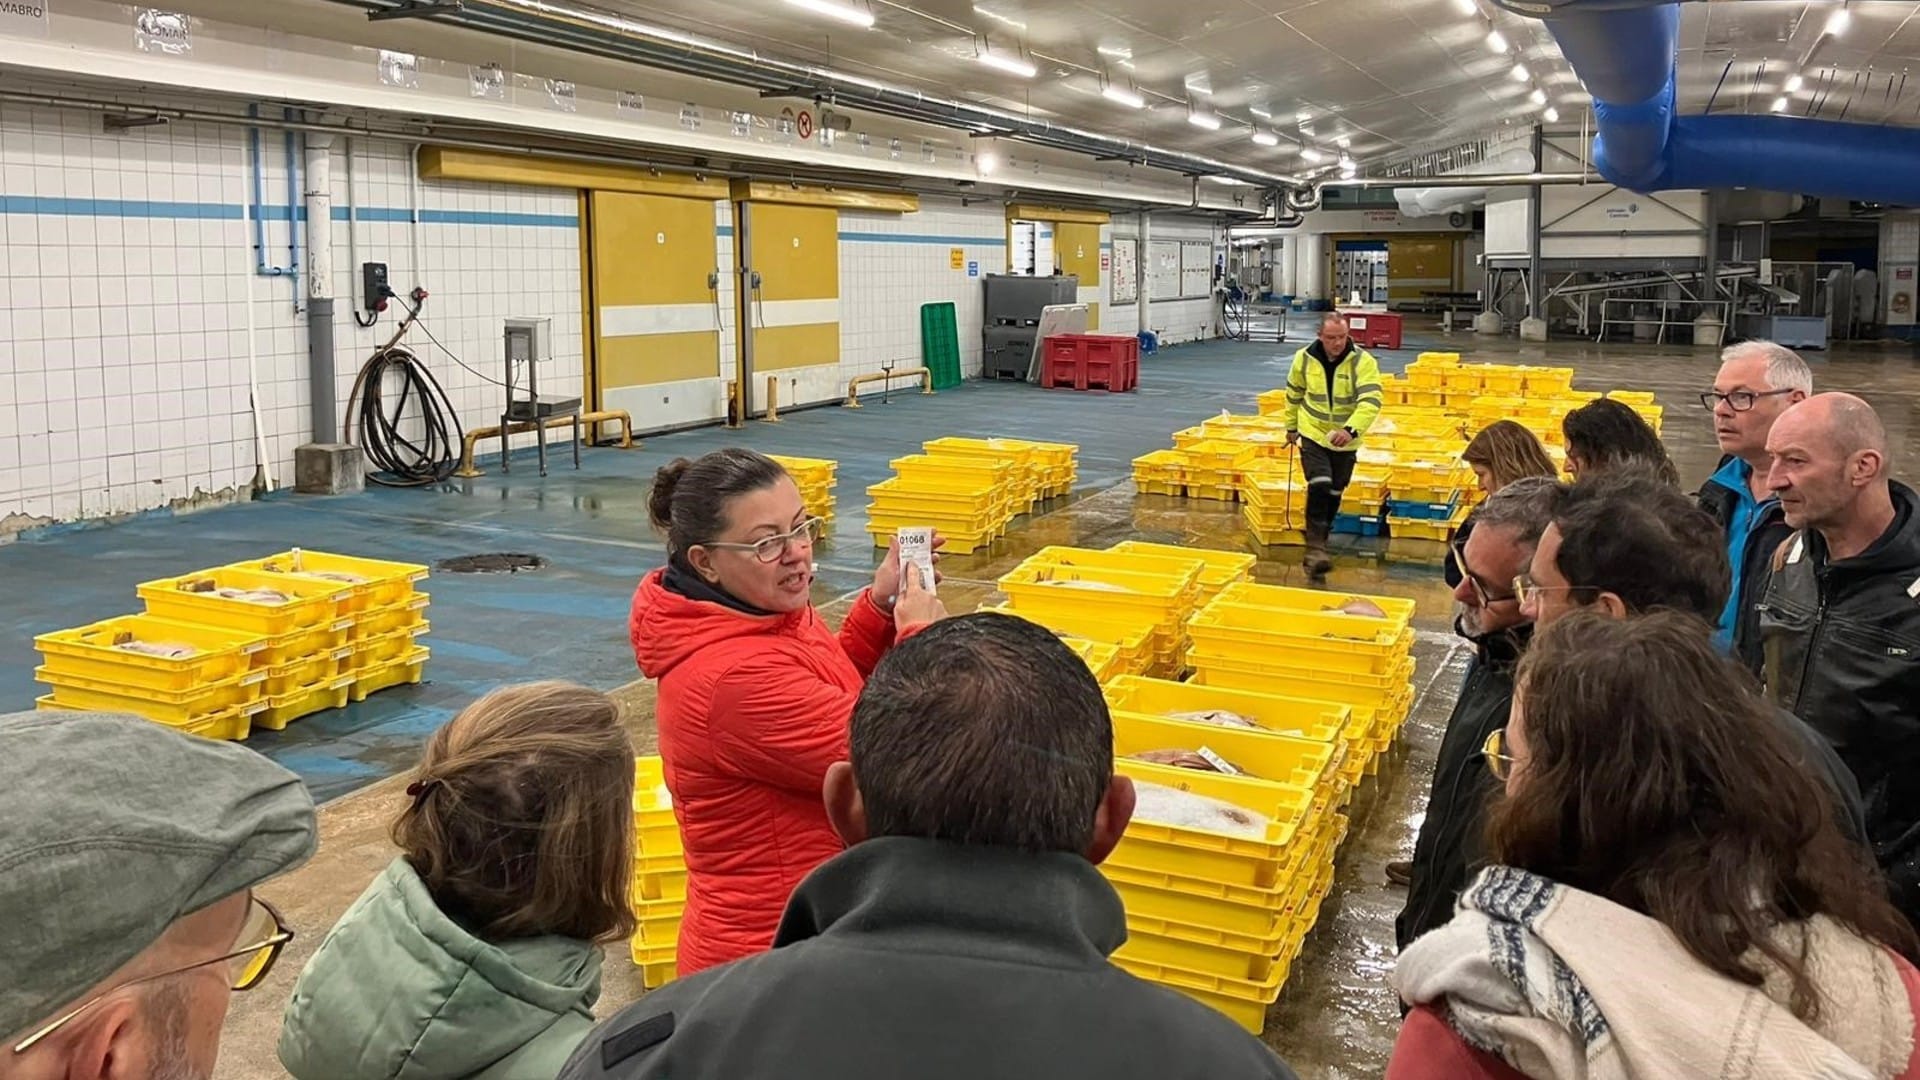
(393, 459)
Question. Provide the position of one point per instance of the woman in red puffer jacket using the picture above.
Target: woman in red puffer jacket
(754, 690)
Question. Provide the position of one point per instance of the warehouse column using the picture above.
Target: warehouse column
(1142, 301)
(1313, 271)
(1534, 326)
(1289, 283)
(322, 466)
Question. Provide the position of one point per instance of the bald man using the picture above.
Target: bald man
(1840, 614)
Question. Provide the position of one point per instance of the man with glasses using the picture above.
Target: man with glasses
(1758, 381)
(1448, 849)
(1628, 543)
(127, 916)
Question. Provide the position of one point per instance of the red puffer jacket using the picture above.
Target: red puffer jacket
(752, 709)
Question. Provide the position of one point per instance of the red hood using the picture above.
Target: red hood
(667, 628)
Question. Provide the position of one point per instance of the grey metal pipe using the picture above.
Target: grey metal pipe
(614, 36)
(1486, 180)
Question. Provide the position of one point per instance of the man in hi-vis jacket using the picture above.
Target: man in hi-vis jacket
(1333, 397)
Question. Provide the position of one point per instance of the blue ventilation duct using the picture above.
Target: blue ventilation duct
(1623, 51)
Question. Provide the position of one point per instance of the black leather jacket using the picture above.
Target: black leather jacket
(1842, 651)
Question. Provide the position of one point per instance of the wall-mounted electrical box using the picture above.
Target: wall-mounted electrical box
(527, 341)
(374, 289)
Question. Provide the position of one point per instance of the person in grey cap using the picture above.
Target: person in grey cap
(128, 857)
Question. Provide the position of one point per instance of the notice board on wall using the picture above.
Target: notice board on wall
(1163, 273)
(1126, 263)
(1196, 269)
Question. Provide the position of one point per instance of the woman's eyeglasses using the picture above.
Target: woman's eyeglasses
(771, 548)
(265, 937)
(1738, 400)
(1499, 762)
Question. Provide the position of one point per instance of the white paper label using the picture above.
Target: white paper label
(690, 116)
(916, 553)
(1219, 762)
(487, 81)
(157, 31)
(562, 96)
(24, 18)
(630, 103)
(400, 69)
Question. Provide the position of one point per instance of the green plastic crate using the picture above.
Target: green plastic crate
(940, 344)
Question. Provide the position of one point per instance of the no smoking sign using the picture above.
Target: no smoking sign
(806, 125)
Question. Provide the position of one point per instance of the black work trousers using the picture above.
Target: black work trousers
(1328, 473)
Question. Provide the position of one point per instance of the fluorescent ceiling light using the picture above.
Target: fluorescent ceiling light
(986, 156)
(1497, 42)
(997, 17)
(1837, 22)
(1309, 154)
(1012, 65)
(1302, 117)
(1207, 120)
(1348, 172)
(1123, 95)
(1779, 104)
(1538, 97)
(1266, 138)
(1519, 73)
(1346, 161)
(1467, 7)
(846, 13)
(1343, 142)
(1795, 83)
(1200, 88)
(1229, 181)
(1551, 116)
(1259, 112)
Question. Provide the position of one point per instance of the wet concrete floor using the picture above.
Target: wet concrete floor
(1336, 1019)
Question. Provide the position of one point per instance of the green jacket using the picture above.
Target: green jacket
(399, 991)
(1316, 410)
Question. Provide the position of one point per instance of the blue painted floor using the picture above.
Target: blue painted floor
(569, 621)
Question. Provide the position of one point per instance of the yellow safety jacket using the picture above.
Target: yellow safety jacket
(1316, 410)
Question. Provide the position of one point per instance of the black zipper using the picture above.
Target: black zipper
(1813, 639)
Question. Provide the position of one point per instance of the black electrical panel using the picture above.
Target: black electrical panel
(373, 286)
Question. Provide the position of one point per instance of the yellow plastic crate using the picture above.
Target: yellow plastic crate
(311, 605)
(1273, 402)
(1548, 381)
(1399, 611)
(402, 672)
(380, 651)
(1498, 379)
(655, 830)
(1171, 565)
(1154, 598)
(408, 614)
(1222, 568)
(950, 524)
(1228, 909)
(959, 541)
(1260, 755)
(1133, 640)
(233, 725)
(371, 583)
(658, 964)
(1428, 528)
(324, 667)
(1161, 464)
(1218, 455)
(1237, 860)
(1102, 660)
(304, 701)
(1308, 683)
(1294, 717)
(1230, 956)
(94, 652)
(940, 472)
(175, 708)
(669, 882)
(1242, 1002)
(807, 472)
(1633, 399)
(1331, 642)
(299, 645)
(659, 922)
(1229, 492)
(1168, 488)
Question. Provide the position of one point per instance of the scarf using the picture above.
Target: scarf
(1563, 984)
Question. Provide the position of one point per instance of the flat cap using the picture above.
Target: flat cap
(111, 828)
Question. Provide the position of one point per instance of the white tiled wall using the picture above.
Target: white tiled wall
(124, 359)
(892, 264)
(1175, 321)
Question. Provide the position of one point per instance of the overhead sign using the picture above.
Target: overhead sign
(806, 125)
(23, 18)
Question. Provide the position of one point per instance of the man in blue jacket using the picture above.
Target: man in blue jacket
(1758, 381)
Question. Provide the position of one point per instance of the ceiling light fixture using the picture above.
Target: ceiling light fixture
(986, 156)
(997, 17)
(1837, 22)
(1123, 95)
(1302, 117)
(1794, 84)
(1519, 73)
(1497, 42)
(1265, 138)
(1551, 116)
(1343, 142)
(1538, 97)
(1311, 155)
(1779, 105)
(1467, 7)
(846, 13)
(1259, 112)
(1012, 65)
(1200, 119)
(1349, 171)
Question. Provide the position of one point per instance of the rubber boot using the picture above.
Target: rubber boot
(1316, 561)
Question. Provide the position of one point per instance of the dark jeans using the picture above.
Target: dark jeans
(1328, 472)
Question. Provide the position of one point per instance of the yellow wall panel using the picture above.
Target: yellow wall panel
(796, 250)
(778, 348)
(652, 249)
(1056, 214)
(496, 167)
(899, 202)
(1417, 265)
(659, 358)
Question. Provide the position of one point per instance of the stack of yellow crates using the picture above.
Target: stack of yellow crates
(1060, 591)
(815, 478)
(1101, 659)
(1059, 465)
(1040, 470)
(1218, 915)
(1133, 640)
(1161, 472)
(1299, 643)
(1219, 569)
(1642, 402)
(969, 501)
(659, 876)
(254, 644)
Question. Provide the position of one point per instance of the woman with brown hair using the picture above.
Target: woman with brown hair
(477, 953)
(1503, 452)
(1669, 897)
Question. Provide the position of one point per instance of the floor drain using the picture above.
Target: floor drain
(492, 563)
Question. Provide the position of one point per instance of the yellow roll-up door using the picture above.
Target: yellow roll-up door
(1076, 248)
(795, 313)
(1417, 265)
(655, 316)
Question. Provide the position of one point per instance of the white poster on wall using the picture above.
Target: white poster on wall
(1902, 294)
(24, 18)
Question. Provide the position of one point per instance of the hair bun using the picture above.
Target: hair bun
(665, 483)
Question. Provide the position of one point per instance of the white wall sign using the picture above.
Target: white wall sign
(562, 96)
(401, 69)
(23, 18)
(488, 81)
(1902, 294)
(157, 31)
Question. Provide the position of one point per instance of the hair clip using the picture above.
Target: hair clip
(420, 787)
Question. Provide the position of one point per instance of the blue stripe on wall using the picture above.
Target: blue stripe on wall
(918, 238)
(49, 206)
